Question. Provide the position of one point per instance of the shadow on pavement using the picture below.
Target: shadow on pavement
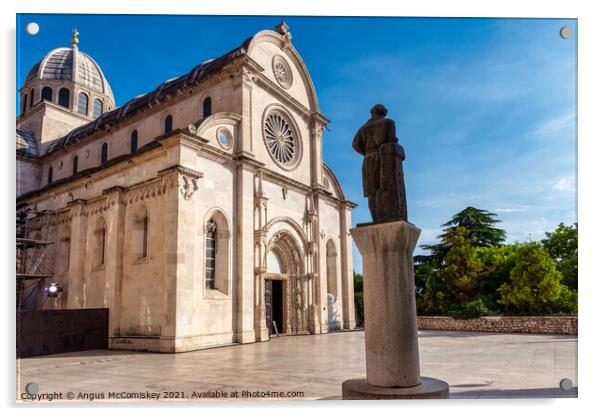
(540, 393)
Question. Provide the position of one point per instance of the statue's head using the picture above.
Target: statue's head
(378, 111)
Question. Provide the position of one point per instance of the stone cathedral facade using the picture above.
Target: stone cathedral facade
(200, 213)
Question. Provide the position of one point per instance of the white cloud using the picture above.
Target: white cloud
(555, 126)
(564, 184)
(521, 208)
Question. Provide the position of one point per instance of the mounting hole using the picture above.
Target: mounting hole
(32, 28)
(32, 388)
(566, 384)
(565, 32)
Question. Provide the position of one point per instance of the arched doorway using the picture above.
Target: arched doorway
(285, 286)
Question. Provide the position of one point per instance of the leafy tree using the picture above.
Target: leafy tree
(422, 273)
(496, 261)
(434, 300)
(455, 288)
(358, 292)
(562, 247)
(535, 285)
(462, 267)
(480, 231)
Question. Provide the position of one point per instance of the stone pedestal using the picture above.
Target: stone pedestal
(392, 360)
(429, 388)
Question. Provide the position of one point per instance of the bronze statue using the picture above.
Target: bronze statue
(382, 171)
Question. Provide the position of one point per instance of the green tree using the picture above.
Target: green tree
(455, 288)
(423, 272)
(562, 245)
(358, 292)
(480, 231)
(462, 267)
(496, 261)
(535, 285)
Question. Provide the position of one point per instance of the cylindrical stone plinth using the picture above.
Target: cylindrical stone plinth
(389, 303)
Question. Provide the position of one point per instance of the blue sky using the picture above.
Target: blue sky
(485, 108)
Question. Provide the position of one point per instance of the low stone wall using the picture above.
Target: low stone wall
(565, 325)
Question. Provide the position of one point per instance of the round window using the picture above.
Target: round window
(281, 139)
(224, 138)
(282, 71)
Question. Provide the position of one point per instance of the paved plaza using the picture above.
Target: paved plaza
(475, 364)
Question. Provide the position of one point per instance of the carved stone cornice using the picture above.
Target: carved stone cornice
(63, 217)
(185, 178)
(77, 207)
(145, 190)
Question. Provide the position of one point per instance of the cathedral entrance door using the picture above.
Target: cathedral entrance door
(274, 306)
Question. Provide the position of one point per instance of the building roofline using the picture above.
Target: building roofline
(160, 93)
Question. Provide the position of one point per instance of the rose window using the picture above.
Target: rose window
(282, 71)
(280, 138)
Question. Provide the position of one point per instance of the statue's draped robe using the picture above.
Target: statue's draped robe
(382, 172)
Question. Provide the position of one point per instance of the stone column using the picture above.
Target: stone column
(392, 361)
(114, 256)
(77, 255)
(244, 243)
(346, 262)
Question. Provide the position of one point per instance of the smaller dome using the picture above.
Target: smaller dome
(58, 64)
(26, 143)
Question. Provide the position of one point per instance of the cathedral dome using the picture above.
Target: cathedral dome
(69, 78)
(70, 64)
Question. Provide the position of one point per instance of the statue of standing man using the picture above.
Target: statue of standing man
(382, 170)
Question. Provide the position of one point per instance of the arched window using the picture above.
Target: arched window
(217, 249)
(47, 94)
(104, 153)
(210, 234)
(134, 141)
(100, 244)
(64, 250)
(24, 103)
(168, 123)
(64, 97)
(49, 175)
(97, 107)
(82, 103)
(141, 233)
(31, 97)
(75, 159)
(207, 107)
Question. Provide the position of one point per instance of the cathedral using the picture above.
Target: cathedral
(200, 213)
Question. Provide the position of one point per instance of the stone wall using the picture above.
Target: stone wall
(566, 325)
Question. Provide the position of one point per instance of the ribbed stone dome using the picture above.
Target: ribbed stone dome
(71, 64)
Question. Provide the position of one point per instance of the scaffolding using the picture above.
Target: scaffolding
(31, 253)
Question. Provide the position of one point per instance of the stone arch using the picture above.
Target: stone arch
(288, 252)
(298, 230)
(290, 278)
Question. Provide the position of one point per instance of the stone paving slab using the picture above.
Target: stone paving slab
(475, 364)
